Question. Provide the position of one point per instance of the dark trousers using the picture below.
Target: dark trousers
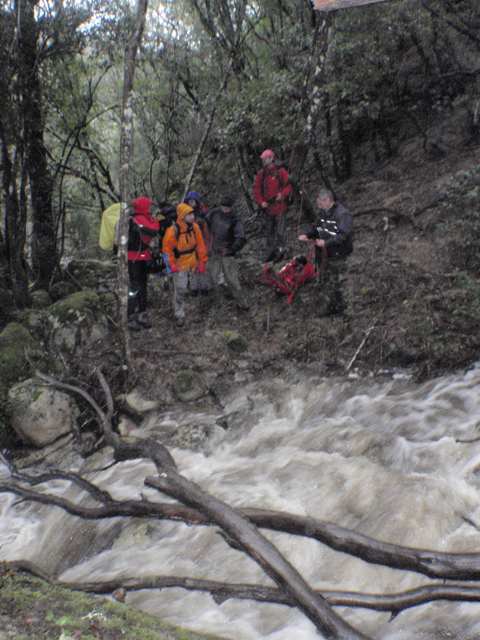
(332, 283)
(274, 229)
(137, 292)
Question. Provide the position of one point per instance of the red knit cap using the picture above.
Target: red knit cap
(268, 153)
(142, 205)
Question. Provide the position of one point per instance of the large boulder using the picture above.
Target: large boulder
(77, 322)
(17, 349)
(92, 273)
(40, 415)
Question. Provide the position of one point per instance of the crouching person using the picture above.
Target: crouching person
(142, 231)
(227, 237)
(185, 248)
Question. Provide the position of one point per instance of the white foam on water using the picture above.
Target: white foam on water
(379, 457)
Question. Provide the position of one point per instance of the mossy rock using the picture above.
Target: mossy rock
(74, 305)
(41, 299)
(235, 341)
(90, 272)
(77, 322)
(62, 289)
(32, 609)
(15, 344)
(189, 386)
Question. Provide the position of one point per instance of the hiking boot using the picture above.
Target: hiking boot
(279, 254)
(144, 320)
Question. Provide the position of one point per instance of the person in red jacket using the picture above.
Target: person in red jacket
(143, 229)
(271, 191)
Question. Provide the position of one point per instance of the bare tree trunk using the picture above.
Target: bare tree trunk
(206, 131)
(126, 146)
(44, 251)
(15, 227)
(311, 103)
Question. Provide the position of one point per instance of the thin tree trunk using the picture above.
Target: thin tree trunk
(206, 131)
(15, 227)
(126, 147)
(44, 253)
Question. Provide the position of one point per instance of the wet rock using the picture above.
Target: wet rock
(189, 386)
(196, 437)
(140, 405)
(40, 415)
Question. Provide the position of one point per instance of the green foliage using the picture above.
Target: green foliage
(390, 67)
(461, 211)
(40, 610)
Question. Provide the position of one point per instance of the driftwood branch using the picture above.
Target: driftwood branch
(234, 524)
(394, 603)
(360, 347)
(434, 564)
(248, 538)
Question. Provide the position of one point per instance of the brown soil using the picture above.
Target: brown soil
(405, 292)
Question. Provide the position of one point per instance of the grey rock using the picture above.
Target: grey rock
(38, 414)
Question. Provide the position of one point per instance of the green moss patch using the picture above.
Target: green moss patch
(31, 608)
(74, 305)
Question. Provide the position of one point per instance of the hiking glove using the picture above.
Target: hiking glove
(201, 267)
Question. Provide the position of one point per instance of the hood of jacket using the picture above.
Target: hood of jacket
(183, 210)
(142, 205)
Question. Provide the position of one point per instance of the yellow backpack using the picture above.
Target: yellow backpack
(108, 226)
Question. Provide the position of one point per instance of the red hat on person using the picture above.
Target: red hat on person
(268, 153)
(141, 205)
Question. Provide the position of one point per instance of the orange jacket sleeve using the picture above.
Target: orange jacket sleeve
(169, 243)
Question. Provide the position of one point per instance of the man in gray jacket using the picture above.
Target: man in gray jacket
(333, 238)
(226, 239)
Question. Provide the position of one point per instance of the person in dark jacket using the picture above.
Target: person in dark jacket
(333, 239)
(271, 191)
(226, 239)
(143, 229)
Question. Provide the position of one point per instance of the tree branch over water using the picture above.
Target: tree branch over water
(393, 603)
(239, 528)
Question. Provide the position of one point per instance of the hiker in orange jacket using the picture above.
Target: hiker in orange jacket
(185, 248)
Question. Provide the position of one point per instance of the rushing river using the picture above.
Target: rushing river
(380, 457)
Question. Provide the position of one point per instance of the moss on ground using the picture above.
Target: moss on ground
(75, 304)
(31, 608)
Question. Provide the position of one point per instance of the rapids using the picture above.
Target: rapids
(379, 456)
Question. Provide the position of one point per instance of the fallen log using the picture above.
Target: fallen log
(237, 526)
(393, 603)
(434, 564)
(250, 540)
